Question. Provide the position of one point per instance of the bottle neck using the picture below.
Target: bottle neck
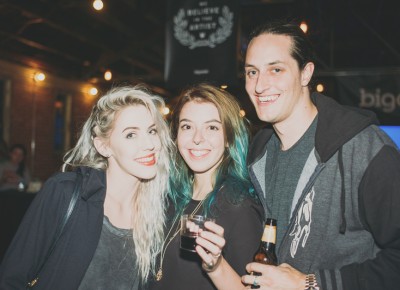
(268, 246)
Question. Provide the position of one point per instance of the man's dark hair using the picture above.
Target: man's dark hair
(302, 50)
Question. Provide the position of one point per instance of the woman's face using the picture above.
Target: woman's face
(134, 144)
(201, 136)
(17, 156)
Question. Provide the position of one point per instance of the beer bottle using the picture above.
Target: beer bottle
(266, 252)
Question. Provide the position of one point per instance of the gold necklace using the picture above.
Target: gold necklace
(159, 274)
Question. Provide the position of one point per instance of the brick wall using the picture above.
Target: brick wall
(29, 114)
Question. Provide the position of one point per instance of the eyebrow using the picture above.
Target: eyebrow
(268, 64)
(209, 121)
(137, 128)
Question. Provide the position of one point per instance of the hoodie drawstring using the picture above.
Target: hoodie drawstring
(342, 228)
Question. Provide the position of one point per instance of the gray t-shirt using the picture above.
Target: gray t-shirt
(282, 173)
(113, 263)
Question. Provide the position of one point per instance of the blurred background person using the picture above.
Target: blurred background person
(14, 172)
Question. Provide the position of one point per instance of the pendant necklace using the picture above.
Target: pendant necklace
(159, 274)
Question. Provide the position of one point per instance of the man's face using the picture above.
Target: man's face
(274, 82)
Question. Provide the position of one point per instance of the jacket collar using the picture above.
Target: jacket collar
(337, 124)
(94, 184)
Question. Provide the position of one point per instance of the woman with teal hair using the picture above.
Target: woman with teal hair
(211, 179)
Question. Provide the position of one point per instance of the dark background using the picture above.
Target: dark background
(68, 38)
(71, 39)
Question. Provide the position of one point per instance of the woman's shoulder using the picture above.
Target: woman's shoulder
(61, 178)
(233, 215)
(70, 177)
(236, 197)
(59, 185)
(233, 187)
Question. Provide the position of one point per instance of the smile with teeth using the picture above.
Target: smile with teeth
(198, 153)
(147, 160)
(270, 98)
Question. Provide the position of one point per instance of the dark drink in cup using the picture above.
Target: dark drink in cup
(188, 242)
(191, 225)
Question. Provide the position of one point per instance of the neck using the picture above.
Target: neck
(202, 186)
(118, 205)
(294, 127)
(122, 187)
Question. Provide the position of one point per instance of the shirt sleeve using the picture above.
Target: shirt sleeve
(243, 226)
(379, 197)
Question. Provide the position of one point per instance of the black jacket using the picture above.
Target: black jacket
(75, 249)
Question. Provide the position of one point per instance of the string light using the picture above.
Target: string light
(39, 77)
(98, 5)
(93, 91)
(165, 111)
(224, 87)
(304, 26)
(108, 75)
(320, 88)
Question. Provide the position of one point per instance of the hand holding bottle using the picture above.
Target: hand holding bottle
(279, 277)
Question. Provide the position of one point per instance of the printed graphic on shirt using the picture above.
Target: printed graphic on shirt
(302, 227)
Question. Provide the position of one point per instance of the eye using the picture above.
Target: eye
(130, 135)
(185, 127)
(276, 70)
(251, 73)
(153, 131)
(213, 128)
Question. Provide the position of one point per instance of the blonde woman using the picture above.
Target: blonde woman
(116, 228)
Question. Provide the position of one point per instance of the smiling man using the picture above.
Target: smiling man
(326, 172)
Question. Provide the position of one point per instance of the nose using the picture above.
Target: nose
(198, 137)
(149, 143)
(262, 83)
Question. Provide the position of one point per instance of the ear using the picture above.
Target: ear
(101, 147)
(307, 73)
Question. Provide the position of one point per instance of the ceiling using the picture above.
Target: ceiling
(70, 39)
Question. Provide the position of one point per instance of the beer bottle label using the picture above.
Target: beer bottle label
(269, 234)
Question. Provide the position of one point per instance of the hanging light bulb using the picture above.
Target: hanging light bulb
(320, 88)
(98, 5)
(39, 77)
(304, 26)
(108, 75)
(165, 111)
(93, 91)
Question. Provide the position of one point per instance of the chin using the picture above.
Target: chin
(146, 175)
(200, 170)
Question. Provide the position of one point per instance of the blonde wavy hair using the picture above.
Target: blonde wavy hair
(149, 201)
